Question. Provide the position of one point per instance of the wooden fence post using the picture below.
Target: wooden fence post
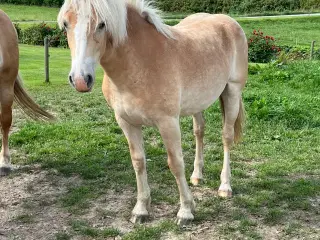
(312, 50)
(46, 58)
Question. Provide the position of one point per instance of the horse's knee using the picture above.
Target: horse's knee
(138, 163)
(198, 126)
(176, 165)
(199, 131)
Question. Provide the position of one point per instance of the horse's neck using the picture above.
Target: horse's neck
(138, 50)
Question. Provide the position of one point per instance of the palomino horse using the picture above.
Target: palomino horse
(154, 74)
(11, 88)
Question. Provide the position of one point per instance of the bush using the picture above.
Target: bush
(35, 35)
(58, 39)
(262, 49)
(237, 6)
(18, 29)
(49, 3)
(290, 53)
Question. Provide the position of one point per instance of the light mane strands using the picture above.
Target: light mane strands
(112, 12)
(152, 15)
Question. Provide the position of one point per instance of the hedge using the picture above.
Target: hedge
(49, 3)
(237, 6)
(35, 35)
(213, 6)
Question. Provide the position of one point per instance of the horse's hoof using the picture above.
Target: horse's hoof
(5, 171)
(225, 193)
(183, 222)
(184, 217)
(139, 219)
(196, 181)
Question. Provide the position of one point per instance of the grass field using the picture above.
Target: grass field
(291, 31)
(29, 13)
(287, 31)
(275, 170)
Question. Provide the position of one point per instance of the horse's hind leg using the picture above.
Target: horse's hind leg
(198, 130)
(6, 100)
(231, 104)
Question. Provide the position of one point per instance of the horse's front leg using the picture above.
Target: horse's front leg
(134, 136)
(170, 132)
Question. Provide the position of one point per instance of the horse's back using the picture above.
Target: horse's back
(191, 18)
(210, 23)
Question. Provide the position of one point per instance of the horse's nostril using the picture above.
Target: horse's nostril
(89, 80)
(71, 80)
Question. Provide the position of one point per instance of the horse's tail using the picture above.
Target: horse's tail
(240, 121)
(239, 124)
(26, 103)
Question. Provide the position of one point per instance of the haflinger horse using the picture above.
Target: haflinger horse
(11, 89)
(153, 74)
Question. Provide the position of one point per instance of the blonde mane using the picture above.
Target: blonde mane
(114, 14)
(152, 15)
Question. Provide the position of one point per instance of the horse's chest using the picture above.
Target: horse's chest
(130, 108)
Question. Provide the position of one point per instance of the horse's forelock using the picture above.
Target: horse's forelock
(112, 12)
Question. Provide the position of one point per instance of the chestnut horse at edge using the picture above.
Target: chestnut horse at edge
(11, 89)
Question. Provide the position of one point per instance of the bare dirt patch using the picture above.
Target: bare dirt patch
(30, 208)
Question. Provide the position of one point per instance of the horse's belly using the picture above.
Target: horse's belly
(200, 97)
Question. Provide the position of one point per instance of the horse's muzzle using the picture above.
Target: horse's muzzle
(82, 83)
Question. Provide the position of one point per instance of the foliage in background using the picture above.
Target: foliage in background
(237, 6)
(18, 29)
(293, 53)
(50, 3)
(226, 6)
(35, 35)
(262, 48)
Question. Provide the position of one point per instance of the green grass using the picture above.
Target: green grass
(275, 170)
(24, 219)
(291, 31)
(29, 13)
(287, 31)
(84, 229)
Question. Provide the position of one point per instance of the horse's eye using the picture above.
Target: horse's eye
(101, 25)
(65, 25)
